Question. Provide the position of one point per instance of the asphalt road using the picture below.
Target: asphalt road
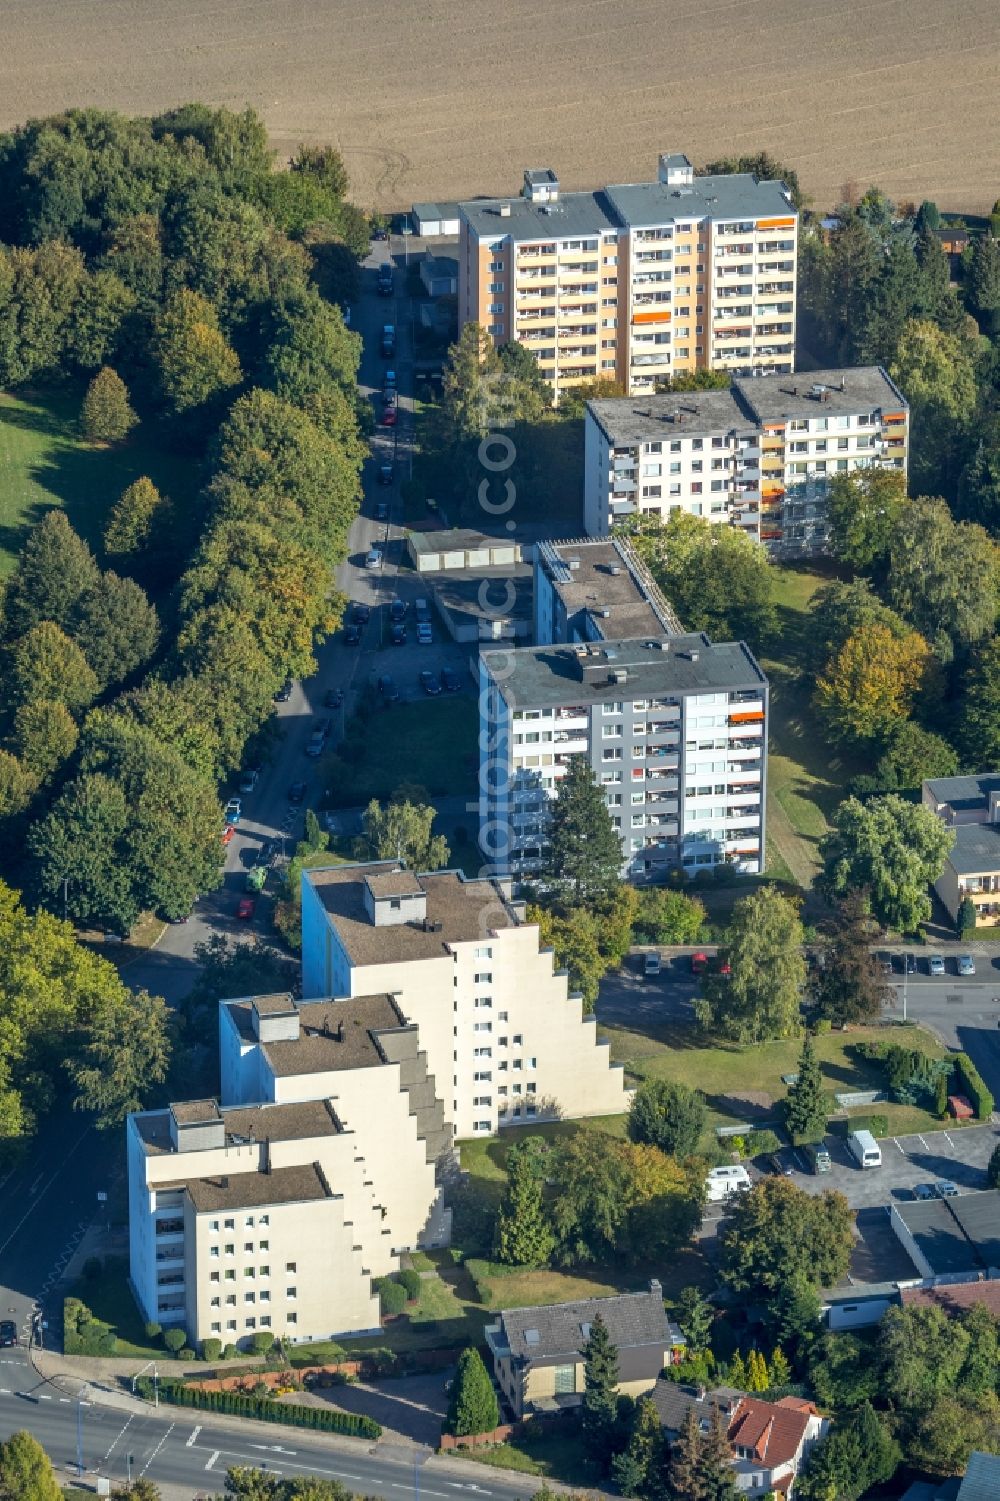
(965, 1014)
(171, 1447)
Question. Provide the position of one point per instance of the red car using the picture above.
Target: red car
(227, 834)
(389, 417)
(244, 908)
(699, 963)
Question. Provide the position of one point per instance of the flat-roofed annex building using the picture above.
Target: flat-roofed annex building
(636, 282)
(674, 728)
(759, 455)
(503, 1038)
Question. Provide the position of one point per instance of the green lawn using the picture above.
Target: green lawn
(431, 742)
(740, 1083)
(806, 776)
(108, 1297)
(44, 463)
(557, 1455)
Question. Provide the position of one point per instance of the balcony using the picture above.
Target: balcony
(169, 1227)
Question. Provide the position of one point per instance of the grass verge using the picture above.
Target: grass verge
(431, 742)
(109, 1299)
(555, 1456)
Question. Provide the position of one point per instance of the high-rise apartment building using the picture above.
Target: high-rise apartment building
(759, 455)
(636, 282)
(673, 727)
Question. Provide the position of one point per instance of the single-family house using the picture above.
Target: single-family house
(770, 1441)
(538, 1352)
(969, 805)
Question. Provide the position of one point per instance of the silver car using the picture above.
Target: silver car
(966, 964)
(935, 965)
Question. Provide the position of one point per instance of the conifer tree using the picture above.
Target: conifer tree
(780, 1371)
(737, 1375)
(583, 862)
(683, 1474)
(600, 1397)
(473, 1406)
(523, 1235)
(757, 1372)
(715, 1463)
(106, 415)
(805, 1107)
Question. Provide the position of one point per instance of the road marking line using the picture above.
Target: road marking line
(194, 1435)
(5, 1391)
(948, 1140)
(212, 1460)
(156, 1451)
(118, 1439)
(922, 1142)
(44, 1397)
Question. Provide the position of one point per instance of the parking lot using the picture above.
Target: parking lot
(379, 655)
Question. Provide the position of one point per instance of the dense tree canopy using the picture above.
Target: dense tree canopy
(892, 850)
(759, 995)
(717, 578)
(778, 1236)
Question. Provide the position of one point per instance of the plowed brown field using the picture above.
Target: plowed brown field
(446, 98)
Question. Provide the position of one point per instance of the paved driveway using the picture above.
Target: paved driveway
(408, 1407)
(960, 1155)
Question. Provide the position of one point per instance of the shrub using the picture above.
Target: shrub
(83, 1334)
(974, 1086)
(327, 1420)
(392, 1294)
(821, 1025)
(152, 1331)
(261, 1342)
(211, 1349)
(230, 1352)
(758, 1142)
(941, 1096)
(993, 1171)
(92, 1268)
(174, 1339)
(410, 1282)
(186, 1354)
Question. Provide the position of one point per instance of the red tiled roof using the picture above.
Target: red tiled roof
(954, 1297)
(772, 1430)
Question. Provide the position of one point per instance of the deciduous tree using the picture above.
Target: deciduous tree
(855, 1455)
(760, 996)
(863, 509)
(26, 1472)
(46, 664)
(868, 689)
(125, 1057)
(193, 362)
(135, 519)
(116, 628)
(573, 938)
(978, 728)
(717, 578)
(667, 916)
(667, 1115)
(934, 371)
(402, 831)
(890, 848)
(45, 735)
(778, 1236)
(911, 756)
(944, 574)
(55, 569)
(106, 416)
(847, 987)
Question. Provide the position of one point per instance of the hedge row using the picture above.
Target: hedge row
(263, 1408)
(974, 1086)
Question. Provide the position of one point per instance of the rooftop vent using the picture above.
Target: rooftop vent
(619, 675)
(693, 654)
(573, 564)
(604, 613)
(615, 569)
(432, 925)
(504, 210)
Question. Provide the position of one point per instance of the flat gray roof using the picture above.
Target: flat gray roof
(976, 850)
(446, 210)
(643, 419)
(335, 1035)
(737, 195)
(546, 676)
(597, 575)
(861, 388)
(956, 1235)
(456, 539)
(574, 214)
(964, 792)
(461, 591)
(458, 911)
(282, 1185)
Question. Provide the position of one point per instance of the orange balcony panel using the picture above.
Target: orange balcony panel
(893, 416)
(769, 536)
(660, 316)
(772, 429)
(755, 717)
(775, 223)
(772, 489)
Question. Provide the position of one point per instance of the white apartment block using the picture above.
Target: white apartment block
(759, 455)
(673, 727)
(636, 282)
(503, 1038)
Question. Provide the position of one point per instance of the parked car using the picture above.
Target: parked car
(234, 810)
(425, 636)
(399, 635)
(228, 834)
(373, 558)
(333, 698)
(909, 964)
(352, 636)
(388, 689)
(884, 962)
(382, 511)
(389, 396)
(8, 1332)
(385, 472)
(362, 614)
(388, 416)
(817, 1157)
(935, 964)
(385, 278)
(296, 793)
(774, 1163)
(923, 1191)
(652, 966)
(389, 380)
(450, 680)
(249, 779)
(244, 908)
(397, 609)
(284, 693)
(945, 1189)
(429, 683)
(388, 339)
(422, 609)
(966, 964)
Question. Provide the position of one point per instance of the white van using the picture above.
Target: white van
(864, 1149)
(723, 1181)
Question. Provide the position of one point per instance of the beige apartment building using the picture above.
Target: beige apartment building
(504, 1038)
(969, 805)
(636, 282)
